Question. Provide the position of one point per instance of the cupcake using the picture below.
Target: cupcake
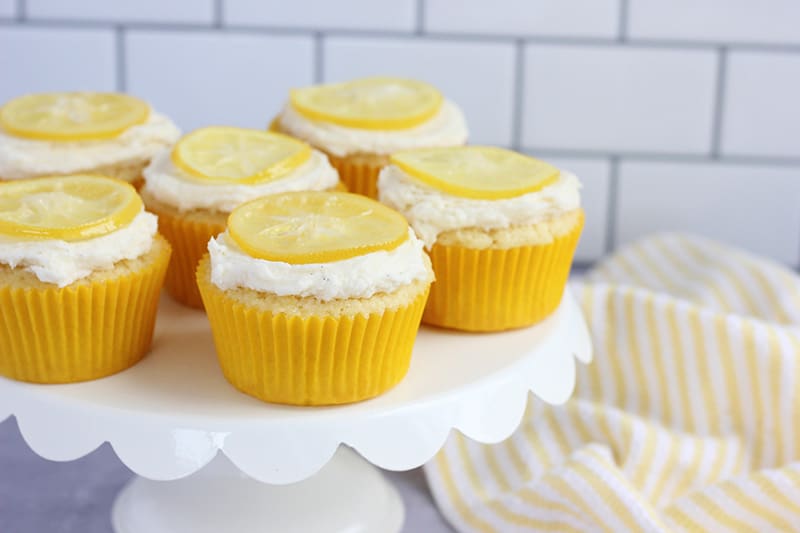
(108, 134)
(361, 122)
(193, 187)
(314, 298)
(81, 268)
(501, 229)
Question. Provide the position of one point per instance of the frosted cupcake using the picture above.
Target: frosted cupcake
(361, 122)
(81, 268)
(501, 229)
(314, 298)
(108, 134)
(193, 187)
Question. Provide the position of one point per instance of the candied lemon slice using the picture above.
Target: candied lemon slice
(238, 155)
(480, 172)
(315, 227)
(69, 208)
(369, 103)
(72, 116)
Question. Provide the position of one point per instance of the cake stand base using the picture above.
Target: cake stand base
(347, 495)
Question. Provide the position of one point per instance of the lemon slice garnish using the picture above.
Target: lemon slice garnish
(480, 172)
(69, 208)
(72, 116)
(238, 155)
(369, 103)
(315, 227)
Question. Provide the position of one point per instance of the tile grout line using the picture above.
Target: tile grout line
(420, 21)
(612, 205)
(121, 59)
(622, 30)
(319, 57)
(517, 96)
(217, 17)
(719, 103)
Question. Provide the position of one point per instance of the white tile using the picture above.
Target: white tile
(207, 78)
(761, 111)
(477, 76)
(176, 11)
(773, 21)
(8, 8)
(598, 18)
(753, 207)
(38, 60)
(396, 15)
(594, 176)
(622, 99)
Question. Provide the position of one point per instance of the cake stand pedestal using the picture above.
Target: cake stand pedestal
(210, 459)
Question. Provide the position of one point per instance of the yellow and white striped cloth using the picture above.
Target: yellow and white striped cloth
(687, 420)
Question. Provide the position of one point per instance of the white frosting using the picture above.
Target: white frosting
(170, 185)
(432, 212)
(25, 158)
(357, 277)
(62, 262)
(446, 128)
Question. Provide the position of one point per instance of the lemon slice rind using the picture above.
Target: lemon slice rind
(477, 172)
(378, 103)
(224, 154)
(79, 116)
(67, 208)
(315, 227)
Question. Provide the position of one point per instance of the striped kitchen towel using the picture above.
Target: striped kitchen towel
(687, 420)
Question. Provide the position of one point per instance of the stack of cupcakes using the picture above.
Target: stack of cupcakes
(314, 295)
(360, 123)
(194, 186)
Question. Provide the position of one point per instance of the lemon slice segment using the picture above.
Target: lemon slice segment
(238, 155)
(479, 172)
(370, 103)
(68, 208)
(72, 116)
(315, 227)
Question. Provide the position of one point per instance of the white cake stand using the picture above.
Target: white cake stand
(170, 416)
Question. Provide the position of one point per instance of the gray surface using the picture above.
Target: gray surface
(39, 496)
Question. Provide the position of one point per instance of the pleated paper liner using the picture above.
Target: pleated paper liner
(359, 172)
(83, 331)
(313, 360)
(189, 238)
(498, 289)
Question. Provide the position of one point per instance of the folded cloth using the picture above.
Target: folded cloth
(687, 420)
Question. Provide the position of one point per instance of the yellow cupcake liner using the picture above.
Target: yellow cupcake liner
(189, 239)
(360, 175)
(313, 360)
(498, 289)
(80, 332)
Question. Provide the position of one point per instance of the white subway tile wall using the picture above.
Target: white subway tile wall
(721, 21)
(598, 18)
(173, 11)
(679, 115)
(748, 205)
(753, 124)
(610, 98)
(8, 8)
(397, 15)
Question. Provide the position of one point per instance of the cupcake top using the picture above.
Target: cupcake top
(445, 189)
(63, 133)
(324, 245)
(63, 229)
(373, 115)
(218, 168)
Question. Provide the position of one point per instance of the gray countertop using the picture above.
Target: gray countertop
(39, 496)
